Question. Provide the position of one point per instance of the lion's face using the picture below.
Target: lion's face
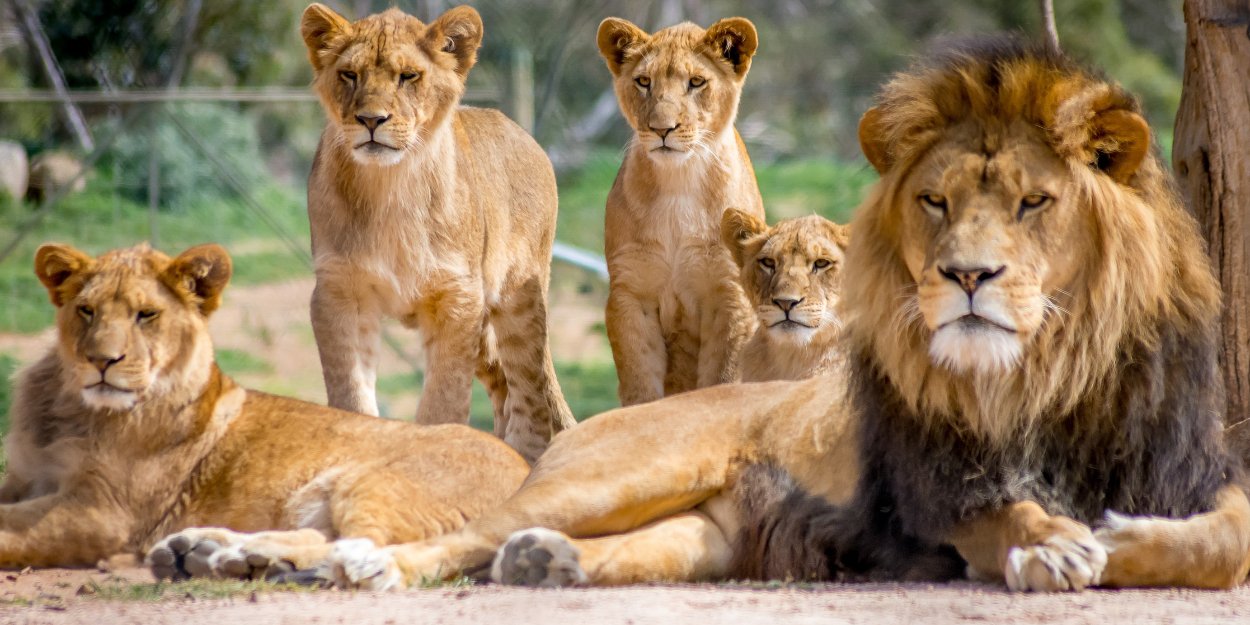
(993, 240)
(791, 272)
(131, 324)
(678, 88)
(388, 81)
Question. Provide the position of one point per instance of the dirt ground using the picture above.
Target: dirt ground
(702, 604)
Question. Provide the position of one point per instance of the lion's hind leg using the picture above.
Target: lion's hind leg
(686, 547)
(1210, 550)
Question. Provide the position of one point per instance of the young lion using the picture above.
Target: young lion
(676, 315)
(126, 431)
(440, 216)
(792, 274)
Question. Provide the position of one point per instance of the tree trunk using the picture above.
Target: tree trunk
(1213, 167)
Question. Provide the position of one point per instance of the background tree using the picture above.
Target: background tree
(1213, 167)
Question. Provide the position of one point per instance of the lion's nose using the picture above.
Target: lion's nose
(663, 132)
(103, 362)
(970, 279)
(372, 121)
(786, 304)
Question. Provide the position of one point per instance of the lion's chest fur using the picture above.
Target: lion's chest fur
(663, 239)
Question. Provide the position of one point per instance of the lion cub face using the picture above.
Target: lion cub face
(791, 272)
(998, 235)
(388, 81)
(131, 323)
(678, 88)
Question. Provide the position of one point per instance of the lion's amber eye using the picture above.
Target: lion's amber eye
(86, 312)
(697, 81)
(349, 77)
(1032, 201)
(821, 263)
(933, 202)
(407, 76)
(147, 315)
(643, 81)
(768, 263)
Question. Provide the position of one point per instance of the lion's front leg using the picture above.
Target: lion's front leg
(1030, 549)
(220, 552)
(726, 326)
(347, 327)
(1210, 550)
(637, 347)
(452, 324)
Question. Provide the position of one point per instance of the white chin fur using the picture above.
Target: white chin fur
(979, 350)
(107, 398)
(378, 157)
(797, 334)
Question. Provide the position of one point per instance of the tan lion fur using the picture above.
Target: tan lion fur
(792, 275)
(676, 316)
(448, 230)
(171, 442)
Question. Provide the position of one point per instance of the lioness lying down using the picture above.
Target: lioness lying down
(126, 431)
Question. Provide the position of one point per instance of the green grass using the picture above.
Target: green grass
(8, 365)
(120, 589)
(99, 219)
(238, 362)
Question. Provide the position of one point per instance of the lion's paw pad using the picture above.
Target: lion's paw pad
(1058, 564)
(540, 558)
(357, 563)
(189, 553)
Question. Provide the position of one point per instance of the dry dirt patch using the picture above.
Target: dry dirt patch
(698, 604)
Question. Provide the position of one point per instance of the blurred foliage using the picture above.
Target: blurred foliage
(183, 170)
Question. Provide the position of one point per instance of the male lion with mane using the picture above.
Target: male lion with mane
(127, 430)
(1034, 393)
(438, 215)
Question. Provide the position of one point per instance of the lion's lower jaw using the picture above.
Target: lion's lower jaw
(378, 157)
(975, 351)
(109, 399)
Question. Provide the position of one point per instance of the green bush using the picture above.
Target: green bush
(185, 172)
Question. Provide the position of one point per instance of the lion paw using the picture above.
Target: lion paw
(190, 553)
(1058, 564)
(538, 557)
(216, 552)
(358, 564)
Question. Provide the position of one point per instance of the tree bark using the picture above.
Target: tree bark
(1212, 164)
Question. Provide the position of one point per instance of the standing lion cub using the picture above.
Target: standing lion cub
(676, 315)
(437, 215)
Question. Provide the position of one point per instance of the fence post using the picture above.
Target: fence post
(154, 186)
(521, 88)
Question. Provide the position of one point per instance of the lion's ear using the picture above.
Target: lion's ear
(842, 235)
(1119, 141)
(55, 265)
(202, 273)
(734, 39)
(872, 140)
(457, 32)
(320, 26)
(619, 40)
(736, 228)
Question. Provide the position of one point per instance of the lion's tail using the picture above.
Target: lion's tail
(787, 534)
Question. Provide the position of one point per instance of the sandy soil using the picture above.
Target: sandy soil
(701, 604)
